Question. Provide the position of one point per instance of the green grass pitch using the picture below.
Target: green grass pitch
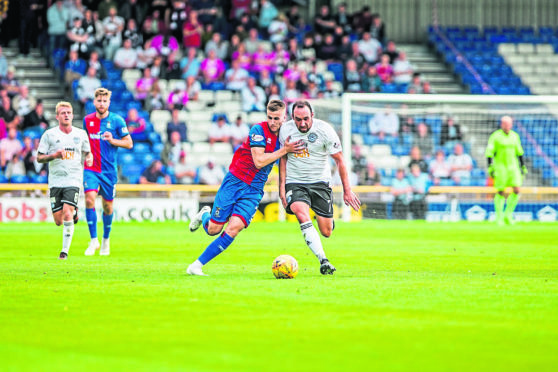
(407, 296)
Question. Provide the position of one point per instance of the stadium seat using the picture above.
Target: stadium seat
(19, 179)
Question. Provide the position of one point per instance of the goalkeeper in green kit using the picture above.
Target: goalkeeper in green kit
(505, 165)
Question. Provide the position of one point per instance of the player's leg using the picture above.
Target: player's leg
(91, 187)
(107, 191)
(213, 220)
(217, 246)
(500, 179)
(69, 201)
(515, 181)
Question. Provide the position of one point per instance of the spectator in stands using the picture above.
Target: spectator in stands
(424, 141)
(244, 58)
(10, 83)
(220, 46)
(328, 50)
(146, 55)
(153, 25)
(268, 12)
(212, 69)
(253, 97)
(419, 185)
(113, 25)
(294, 19)
(185, 173)
(330, 91)
(427, 88)
(144, 85)
(15, 167)
(154, 174)
(105, 6)
(372, 177)
(370, 48)
(100, 71)
(378, 29)
(439, 168)
(384, 69)
(75, 68)
(345, 49)
(401, 191)
(312, 91)
(219, 131)
(210, 174)
(402, 69)
(178, 97)
(295, 52)
(23, 103)
(261, 60)
(57, 18)
(165, 44)
(416, 158)
(351, 77)
(343, 19)
(371, 82)
(87, 85)
(32, 166)
(280, 58)
(384, 123)
(407, 125)
(239, 132)
(193, 88)
(9, 147)
(79, 39)
(8, 114)
(90, 26)
(132, 10)
(190, 64)
(3, 129)
(362, 21)
(171, 152)
(157, 68)
(360, 164)
(126, 57)
(416, 84)
(278, 29)
(192, 31)
(136, 126)
(451, 133)
(155, 99)
(291, 93)
(324, 23)
(236, 77)
(3, 64)
(391, 51)
(461, 165)
(132, 33)
(35, 120)
(308, 49)
(357, 56)
(273, 92)
(176, 125)
(253, 41)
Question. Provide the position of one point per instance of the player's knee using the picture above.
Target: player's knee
(326, 232)
(213, 229)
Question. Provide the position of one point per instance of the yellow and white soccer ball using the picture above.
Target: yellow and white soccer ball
(285, 267)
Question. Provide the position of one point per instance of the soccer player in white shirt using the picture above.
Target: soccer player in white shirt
(304, 178)
(65, 147)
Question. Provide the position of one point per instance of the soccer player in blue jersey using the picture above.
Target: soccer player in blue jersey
(107, 131)
(242, 189)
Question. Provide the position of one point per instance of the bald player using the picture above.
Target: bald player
(506, 166)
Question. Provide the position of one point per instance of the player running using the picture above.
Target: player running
(65, 147)
(242, 189)
(304, 177)
(107, 131)
(503, 151)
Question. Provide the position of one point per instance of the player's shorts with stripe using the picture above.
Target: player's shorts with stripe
(504, 177)
(235, 198)
(63, 195)
(102, 183)
(317, 195)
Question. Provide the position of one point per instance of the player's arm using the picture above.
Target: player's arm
(125, 142)
(283, 180)
(519, 151)
(88, 158)
(349, 196)
(44, 158)
(262, 158)
(489, 153)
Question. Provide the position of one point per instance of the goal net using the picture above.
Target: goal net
(446, 136)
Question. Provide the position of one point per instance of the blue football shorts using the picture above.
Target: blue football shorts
(101, 183)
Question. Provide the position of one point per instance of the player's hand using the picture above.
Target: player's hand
(89, 160)
(351, 200)
(283, 199)
(59, 154)
(295, 147)
(107, 136)
(524, 170)
(491, 172)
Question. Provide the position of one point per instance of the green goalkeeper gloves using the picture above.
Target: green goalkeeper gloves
(524, 170)
(491, 171)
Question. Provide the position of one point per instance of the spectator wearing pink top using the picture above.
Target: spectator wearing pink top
(164, 44)
(292, 73)
(9, 147)
(143, 85)
(178, 98)
(261, 60)
(384, 69)
(280, 58)
(244, 58)
(212, 68)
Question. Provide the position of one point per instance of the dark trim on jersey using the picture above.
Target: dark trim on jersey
(257, 146)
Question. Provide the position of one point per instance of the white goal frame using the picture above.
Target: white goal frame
(348, 98)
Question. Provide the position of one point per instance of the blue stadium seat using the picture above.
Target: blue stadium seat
(154, 138)
(158, 148)
(3, 178)
(141, 148)
(40, 179)
(19, 179)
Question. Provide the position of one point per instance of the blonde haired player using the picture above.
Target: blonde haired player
(304, 177)
(64, 147)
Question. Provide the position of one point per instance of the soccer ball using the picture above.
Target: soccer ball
(285, 267)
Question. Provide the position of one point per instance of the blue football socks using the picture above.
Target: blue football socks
(107, 225)
(91, 218)
(215, 248)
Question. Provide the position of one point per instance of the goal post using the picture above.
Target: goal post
(535, 120)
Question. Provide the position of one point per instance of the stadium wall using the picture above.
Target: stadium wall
(408, 20)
